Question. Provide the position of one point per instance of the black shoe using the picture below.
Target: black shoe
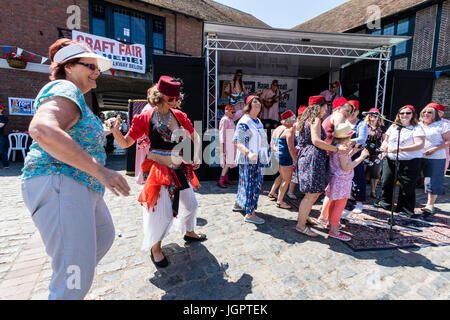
(160, 264)
(192, 239)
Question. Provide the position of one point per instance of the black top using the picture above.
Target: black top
(3, 119)
(160, 139)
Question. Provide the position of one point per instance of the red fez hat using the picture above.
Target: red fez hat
(354, 103)
(287, 114)
(408, 106)
(339, 102)
(229, 107)
(301, 110)
(274, 82)
(337, 83)
(2, 107)
(316, 100)
(169, 86)
(434, 106)
(249, 98)
(374, 110)
(441, 108)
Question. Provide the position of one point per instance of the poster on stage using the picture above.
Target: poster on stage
(127, 57)
(21, 107)
(257, 85)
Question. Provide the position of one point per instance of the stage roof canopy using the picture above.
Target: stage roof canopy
(299, 54)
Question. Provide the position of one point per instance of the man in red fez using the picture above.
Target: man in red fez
(342, 110)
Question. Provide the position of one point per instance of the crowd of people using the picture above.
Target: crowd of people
(64, 176)
(329, 150)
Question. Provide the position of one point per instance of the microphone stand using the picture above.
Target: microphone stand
(399, 128)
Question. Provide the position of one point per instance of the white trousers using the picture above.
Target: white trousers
(160, 222)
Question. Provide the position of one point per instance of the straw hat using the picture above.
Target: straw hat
(343, 130)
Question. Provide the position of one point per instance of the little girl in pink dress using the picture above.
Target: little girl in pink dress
(340, 185)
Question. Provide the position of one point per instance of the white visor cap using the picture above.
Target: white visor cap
(74, 51)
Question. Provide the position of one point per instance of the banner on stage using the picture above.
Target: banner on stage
(127, 57)
(21, 106)
(257, 85)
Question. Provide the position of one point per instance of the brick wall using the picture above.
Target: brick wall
(424, 38)
(443, 55)
(32, 24)
(401, 64)
(21, 84)
(441, 92)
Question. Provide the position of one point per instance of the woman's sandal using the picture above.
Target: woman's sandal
(283, 205)
(271, 197)
(311, 222)
(307, 231)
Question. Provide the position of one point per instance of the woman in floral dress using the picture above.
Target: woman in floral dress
(312, 162)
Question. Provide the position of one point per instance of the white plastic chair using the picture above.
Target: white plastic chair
(18, 143)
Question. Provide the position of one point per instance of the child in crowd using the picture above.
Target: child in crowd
(340, 185)
(227, 148)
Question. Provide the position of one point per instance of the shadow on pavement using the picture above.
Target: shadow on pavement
(194, 273)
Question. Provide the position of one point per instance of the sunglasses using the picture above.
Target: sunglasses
(172, 99)
(428, 112)
(407, 113)
(91, 66)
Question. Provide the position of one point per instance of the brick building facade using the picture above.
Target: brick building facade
(426, 21)
(169, 27)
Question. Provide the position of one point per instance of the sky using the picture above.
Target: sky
(283, 14)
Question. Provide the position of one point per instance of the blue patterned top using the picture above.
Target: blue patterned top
(87, 132)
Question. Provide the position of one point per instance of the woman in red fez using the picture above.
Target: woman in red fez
(168, 197)
(283, 146)
(312, 162)
(437, 140)
(412, 141)
(252, 156)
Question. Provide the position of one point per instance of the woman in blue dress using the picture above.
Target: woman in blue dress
(283, 146)
(252, 155)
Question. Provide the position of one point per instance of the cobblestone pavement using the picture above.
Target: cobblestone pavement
(239, 260)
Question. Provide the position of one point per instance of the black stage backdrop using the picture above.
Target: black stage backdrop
(403, 87)
(191, 70)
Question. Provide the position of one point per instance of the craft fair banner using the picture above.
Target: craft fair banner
(128, 57)
(21, 107)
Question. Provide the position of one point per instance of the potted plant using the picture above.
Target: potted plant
(16, 61)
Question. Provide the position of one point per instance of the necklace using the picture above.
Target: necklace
(164, 119)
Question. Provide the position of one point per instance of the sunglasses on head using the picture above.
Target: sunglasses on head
(172, 99)
(91, 66)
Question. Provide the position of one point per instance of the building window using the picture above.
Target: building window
(402, 29)
(158, 36)
(128, 26)
(98, 20)
(122, 27)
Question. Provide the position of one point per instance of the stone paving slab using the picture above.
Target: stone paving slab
(239, 261)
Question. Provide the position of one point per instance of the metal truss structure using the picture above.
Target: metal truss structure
(213, 45)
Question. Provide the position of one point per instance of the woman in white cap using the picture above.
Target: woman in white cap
(64, 177)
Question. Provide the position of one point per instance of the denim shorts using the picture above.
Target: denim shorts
(433, 172)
